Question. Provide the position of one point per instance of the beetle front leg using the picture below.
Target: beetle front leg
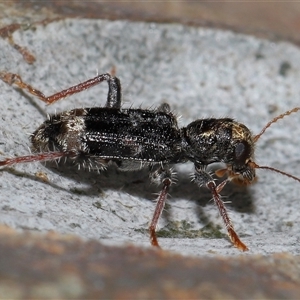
(202, 178)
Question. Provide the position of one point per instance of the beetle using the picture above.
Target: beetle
(133, 139)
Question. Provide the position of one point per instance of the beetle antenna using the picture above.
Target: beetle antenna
(287, 113)
(256, 166)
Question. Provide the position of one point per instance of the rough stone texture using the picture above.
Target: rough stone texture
(200, 72)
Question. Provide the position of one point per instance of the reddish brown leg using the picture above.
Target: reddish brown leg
(158, 210)
(114, 94)
(223, 212)
(161, 175)
(34, 157)
(203, 178)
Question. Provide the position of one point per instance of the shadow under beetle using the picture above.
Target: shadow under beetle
(136, 138)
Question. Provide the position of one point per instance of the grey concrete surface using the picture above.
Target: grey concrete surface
(200, 73)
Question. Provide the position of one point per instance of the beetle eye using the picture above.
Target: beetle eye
(242, 152)
(239, 150)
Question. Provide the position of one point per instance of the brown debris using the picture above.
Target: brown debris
(63, 266)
